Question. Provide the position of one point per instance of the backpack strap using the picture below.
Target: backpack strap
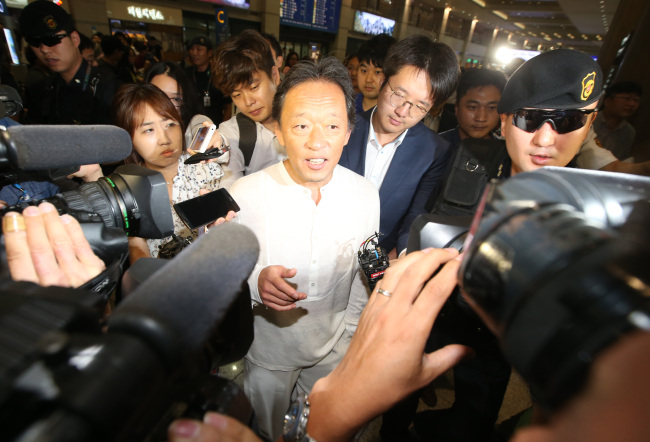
(247, 136)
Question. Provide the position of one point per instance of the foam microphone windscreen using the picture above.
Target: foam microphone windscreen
(191, 294)
(49, 146)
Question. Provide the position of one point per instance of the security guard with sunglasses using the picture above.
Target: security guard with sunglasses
(546, 109)
(76, 93)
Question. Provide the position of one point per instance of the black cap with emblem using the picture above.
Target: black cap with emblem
(44, 17)
(201, 40)
(559, 79)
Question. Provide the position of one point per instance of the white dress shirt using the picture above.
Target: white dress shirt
(378, 157)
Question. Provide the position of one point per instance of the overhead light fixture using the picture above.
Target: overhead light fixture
(481, 3)
(500, 14)
(519, 25)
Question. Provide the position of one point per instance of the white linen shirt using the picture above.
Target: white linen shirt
(321, 242)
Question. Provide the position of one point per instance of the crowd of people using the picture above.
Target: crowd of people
(321, 156)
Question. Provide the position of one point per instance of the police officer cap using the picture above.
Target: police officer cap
(44, 17)
(201, 40)
(560, 79)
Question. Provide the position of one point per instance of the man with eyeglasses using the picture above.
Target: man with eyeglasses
(614, 132)
(77, 93)
(391, 147)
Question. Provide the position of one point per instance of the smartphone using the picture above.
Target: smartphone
(202, 138)
(202, 210)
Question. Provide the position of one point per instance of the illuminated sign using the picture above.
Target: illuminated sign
(150, 13)
(136, 11)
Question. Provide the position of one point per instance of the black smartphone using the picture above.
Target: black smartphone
(202, 210)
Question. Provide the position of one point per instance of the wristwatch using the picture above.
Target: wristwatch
(295, 421)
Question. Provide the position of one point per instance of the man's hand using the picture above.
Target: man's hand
(48, 249)
(386, 360)
(214, 428)
(275, 292)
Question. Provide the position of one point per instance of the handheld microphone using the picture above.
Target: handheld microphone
(50, 146)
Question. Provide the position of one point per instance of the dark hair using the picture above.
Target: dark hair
(349, 58)
(475, 77)
(191, 105)
(330, 70)
(128, 108)
(111, 44)
(275, 44)
(624, 87)
(437, 60)
(375, 50)
(239, 58)
(85, 42)
(289, 55)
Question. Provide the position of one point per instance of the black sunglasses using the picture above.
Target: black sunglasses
(48, 40)
(563, 121)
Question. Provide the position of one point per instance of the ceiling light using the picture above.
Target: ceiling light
(481, 3)
(500, 14)
(519, 25)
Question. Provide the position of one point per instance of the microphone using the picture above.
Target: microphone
(148, 367)
(50, 146)
(176, 308)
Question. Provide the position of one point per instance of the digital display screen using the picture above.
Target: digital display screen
(320, 15)
(373, 24)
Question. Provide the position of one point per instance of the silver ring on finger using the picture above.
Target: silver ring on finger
(385, 292)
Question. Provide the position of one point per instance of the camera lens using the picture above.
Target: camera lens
(134, 199)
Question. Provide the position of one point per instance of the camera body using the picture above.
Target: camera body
(554, 265)
(65, 379)
(133, 201)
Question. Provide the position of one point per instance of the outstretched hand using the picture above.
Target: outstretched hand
(386, 360)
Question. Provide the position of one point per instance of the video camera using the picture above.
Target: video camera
(131, 202)
(62, 378)
(556, 266)
(62, 375)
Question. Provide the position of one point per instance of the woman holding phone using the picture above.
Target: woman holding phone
(156, 130)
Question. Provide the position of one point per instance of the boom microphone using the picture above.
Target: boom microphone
(177, 307)
(51, 146)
